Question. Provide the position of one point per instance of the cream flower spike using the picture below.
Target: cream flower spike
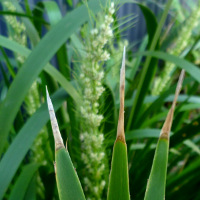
(120, 128)
(54, 124)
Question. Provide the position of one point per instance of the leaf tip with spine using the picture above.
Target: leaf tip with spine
(156, 185)
(54, 124)
(168, 122)
(119, 181)
(120, 128)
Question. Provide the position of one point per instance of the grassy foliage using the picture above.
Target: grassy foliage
(27, 156)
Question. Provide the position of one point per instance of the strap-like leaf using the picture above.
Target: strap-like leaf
(119, 182)
(68, 184)
(23, 181)
(39, 57)
(157, 179)
(23, 141)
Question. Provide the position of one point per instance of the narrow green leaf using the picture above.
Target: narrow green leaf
(190, 68)
(118, 188)
(6, 80)
(151, 21)
(31, 190)
(23, 141)
(35, 63)
(119, 183)
(157, 179)
(22, 183)
(189, 107)
(68, 184)
(8, 64)
(54, 15)
(38, 12)
(145, 79)
(142, 133)
(53, 12)
(151, 99)
(156, 183)
(53, 72)
(19, 14)
(27, 6)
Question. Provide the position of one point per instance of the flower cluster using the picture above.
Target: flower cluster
(18, 28)
(100, 37)
(92, 74)
(93, 157)
(32, 99)
(182, 42)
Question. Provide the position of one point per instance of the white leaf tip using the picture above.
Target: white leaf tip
(56, 133)
(47, 94)
(122, 72)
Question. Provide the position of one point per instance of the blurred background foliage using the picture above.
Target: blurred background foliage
(53, 43)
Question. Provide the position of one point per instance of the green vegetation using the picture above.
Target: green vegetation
(150, 150)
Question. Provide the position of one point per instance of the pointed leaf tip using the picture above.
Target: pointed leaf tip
(124, 57)
(47, 93)
(168, 122)
(122, 72)
(178, 87)
(120, 128)
(54, 124)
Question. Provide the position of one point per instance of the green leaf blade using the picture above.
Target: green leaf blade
(22, 183)
(69, 186)
(36, 61)
(23, 141)
(157, 181)
(119, 182)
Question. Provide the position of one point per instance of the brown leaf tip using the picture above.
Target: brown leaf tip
(120, 128)
(168, 122)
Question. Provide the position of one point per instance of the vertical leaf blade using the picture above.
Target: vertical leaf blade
(157, 179)
(22, 183)
(23, 141)
(119, 181)
(69, 186)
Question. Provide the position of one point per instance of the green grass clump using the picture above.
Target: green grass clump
(127, 156)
